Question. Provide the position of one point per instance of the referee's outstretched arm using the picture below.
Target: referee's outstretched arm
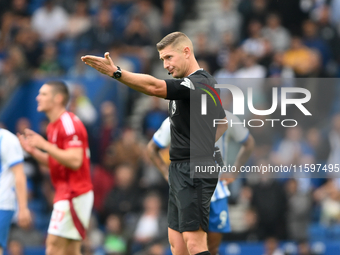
(177, 53)
(144, 83)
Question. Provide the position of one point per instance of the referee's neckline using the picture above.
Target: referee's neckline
(201, 69)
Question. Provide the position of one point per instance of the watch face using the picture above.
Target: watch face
(118, 75)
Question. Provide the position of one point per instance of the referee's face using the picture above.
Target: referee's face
(173, 61)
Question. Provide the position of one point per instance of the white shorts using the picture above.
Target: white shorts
(61, 223)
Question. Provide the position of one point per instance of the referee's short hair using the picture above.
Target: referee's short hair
(59, 87)
(172, 39)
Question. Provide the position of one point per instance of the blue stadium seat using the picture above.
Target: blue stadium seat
(34, 4)
(36, 205)
(333, 232)
(41, 222)
(317, 232)
(66, 53)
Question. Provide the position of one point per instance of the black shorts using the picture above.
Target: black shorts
(189, 198)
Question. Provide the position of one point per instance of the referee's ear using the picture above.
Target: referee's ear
(187, 52)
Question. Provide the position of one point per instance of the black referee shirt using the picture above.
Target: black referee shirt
(193, 134)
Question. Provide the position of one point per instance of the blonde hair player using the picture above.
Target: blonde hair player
(187, 222)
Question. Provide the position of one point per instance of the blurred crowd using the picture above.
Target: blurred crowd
(45, 38)
(257, 39)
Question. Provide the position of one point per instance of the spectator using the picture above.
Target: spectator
(151, 17)
(335, 12)
(8, 80)
(254, 44)
(226, 49)
(227, 20)
(103, 179)
(328, 198)
(49, 65)
(264, 138)
(127, 150)
(312, 40)
(14, 71)
(277, 69)
(81, 71)
(137, 33)
(239, 210)
(150, 226)
(32, 48)
(171, 16)
(330, 208)
(252, 10)
(270, 203)
(277, 35)
(102, 33)
(114, 243)
(79, 22)
(204, 52)
(95, 236)
(15, 19)
(290, 12)
(334, 140)
(271, 247)
(155, 249)
(319, 144)
(293, 149)
(108, 131)
(119, 53)
(251, 69)
(304, 61)
(82, 106)
(125, 196)
(228, 71)
(153, 118)
(251, 231)
(50, 21)
(299, 208)
(28, 237)
(304, 249)
(329, 33)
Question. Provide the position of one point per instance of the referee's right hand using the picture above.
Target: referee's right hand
(104, 65)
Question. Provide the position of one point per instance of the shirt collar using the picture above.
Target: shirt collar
(201, 69)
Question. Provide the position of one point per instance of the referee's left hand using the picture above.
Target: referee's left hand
(104, 65)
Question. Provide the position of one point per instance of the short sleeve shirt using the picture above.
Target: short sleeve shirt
(69, 132)
(192, 133)
(11, 154)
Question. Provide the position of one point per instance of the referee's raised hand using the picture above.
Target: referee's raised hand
(104, 65)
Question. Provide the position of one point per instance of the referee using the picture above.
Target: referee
(192, 134)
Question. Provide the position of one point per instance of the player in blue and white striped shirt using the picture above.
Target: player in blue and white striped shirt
(219, 215)
(12, 185)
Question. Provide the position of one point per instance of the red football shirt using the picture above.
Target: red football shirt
(69, 132)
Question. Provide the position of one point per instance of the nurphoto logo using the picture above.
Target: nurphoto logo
(238, 105)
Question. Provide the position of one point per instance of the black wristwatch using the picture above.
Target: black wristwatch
(117, 74)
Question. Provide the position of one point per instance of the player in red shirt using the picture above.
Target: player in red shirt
(66, 153)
